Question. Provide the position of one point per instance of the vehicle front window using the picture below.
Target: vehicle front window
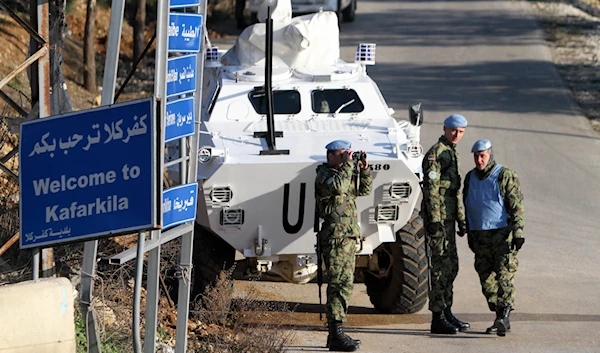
(284, 102)
(332, 100)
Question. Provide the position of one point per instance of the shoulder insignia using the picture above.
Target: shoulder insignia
(432, 175)
(431, 157)
(330, 181)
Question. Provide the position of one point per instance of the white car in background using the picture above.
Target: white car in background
(345, 9)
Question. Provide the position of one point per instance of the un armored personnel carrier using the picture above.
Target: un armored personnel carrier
(257, 170)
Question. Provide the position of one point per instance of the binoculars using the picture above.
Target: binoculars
(359, 156)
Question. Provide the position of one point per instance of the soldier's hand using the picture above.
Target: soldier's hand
(517, 243)
(347, 154)
(363, 164)
(436, 230)
(462, 229)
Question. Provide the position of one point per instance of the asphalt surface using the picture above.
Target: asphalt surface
(488, 61)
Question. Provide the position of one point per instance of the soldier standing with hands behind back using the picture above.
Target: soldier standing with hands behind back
(441, 209)
(495, 214)
(336, 189)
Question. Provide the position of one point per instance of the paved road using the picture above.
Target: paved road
(487, 60)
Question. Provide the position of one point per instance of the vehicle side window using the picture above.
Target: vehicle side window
(330, 100)
(284, 101)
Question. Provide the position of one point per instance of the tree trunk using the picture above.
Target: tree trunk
(89, 49)
(60, 99)
(139, 40)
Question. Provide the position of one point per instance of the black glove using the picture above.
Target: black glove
(470, 241)
(462, 229)
(435, 230)
(517, 243)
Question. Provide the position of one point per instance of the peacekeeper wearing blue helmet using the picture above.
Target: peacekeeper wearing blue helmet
(441, 210)
(495, 219)
(335, 194)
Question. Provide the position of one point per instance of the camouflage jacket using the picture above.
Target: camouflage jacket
(510, 189)
(335, 194)
(441, 183)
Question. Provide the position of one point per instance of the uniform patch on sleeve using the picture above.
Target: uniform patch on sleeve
(330, 181)
(431, 157)
(432, 175)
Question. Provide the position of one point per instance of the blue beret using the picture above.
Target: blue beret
(338, 145)
(455, 120)
(481, 145)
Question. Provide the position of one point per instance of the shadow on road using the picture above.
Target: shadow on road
(495, 128)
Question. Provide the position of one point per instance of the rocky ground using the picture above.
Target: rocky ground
(572, 30)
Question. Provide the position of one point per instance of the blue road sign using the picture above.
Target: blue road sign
(184, 3)
(179, 204)
(180, 119)
(88, 174)
(185, 32)
(181, 75)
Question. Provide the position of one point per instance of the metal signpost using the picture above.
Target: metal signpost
(177, 93)
(88, 174)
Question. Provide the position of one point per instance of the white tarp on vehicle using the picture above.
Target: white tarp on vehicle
(305, 41)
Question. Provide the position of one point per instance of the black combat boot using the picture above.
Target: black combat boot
(462, 326)
(356, 342)
(502, 322)
(440, 325)
(338, 341)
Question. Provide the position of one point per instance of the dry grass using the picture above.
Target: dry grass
(223, 323)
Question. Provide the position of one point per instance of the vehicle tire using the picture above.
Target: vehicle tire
(211, 256)
(349, 13)
(404, 289)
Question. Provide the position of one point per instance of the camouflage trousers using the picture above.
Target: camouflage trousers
(496, 265)
(340, 259)
(444, 268)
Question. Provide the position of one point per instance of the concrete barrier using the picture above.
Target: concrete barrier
(37, 316)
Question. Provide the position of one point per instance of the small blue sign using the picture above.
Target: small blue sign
(179, 204)
(88, 174)
(180, 119)
(181, 75)
(185, 32)
(184, 3)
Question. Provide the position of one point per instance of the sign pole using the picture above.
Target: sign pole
(152, 284)
(90, 249)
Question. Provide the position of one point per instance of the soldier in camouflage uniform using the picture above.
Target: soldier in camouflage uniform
(336, 189)
(442, 209)
(495, 219)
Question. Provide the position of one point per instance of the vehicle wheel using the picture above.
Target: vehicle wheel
(211, 256)
(349, 13)
(404, 289)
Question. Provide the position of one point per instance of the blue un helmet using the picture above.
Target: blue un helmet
(455, 121)
(338, 145)
(481, 145)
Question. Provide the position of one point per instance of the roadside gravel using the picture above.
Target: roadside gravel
(572, 30)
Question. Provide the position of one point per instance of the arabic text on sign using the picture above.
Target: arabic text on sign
(114, 132)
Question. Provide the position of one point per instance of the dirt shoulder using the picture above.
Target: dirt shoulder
(572, 31)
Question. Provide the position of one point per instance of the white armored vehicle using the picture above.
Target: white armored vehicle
(257, 170)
